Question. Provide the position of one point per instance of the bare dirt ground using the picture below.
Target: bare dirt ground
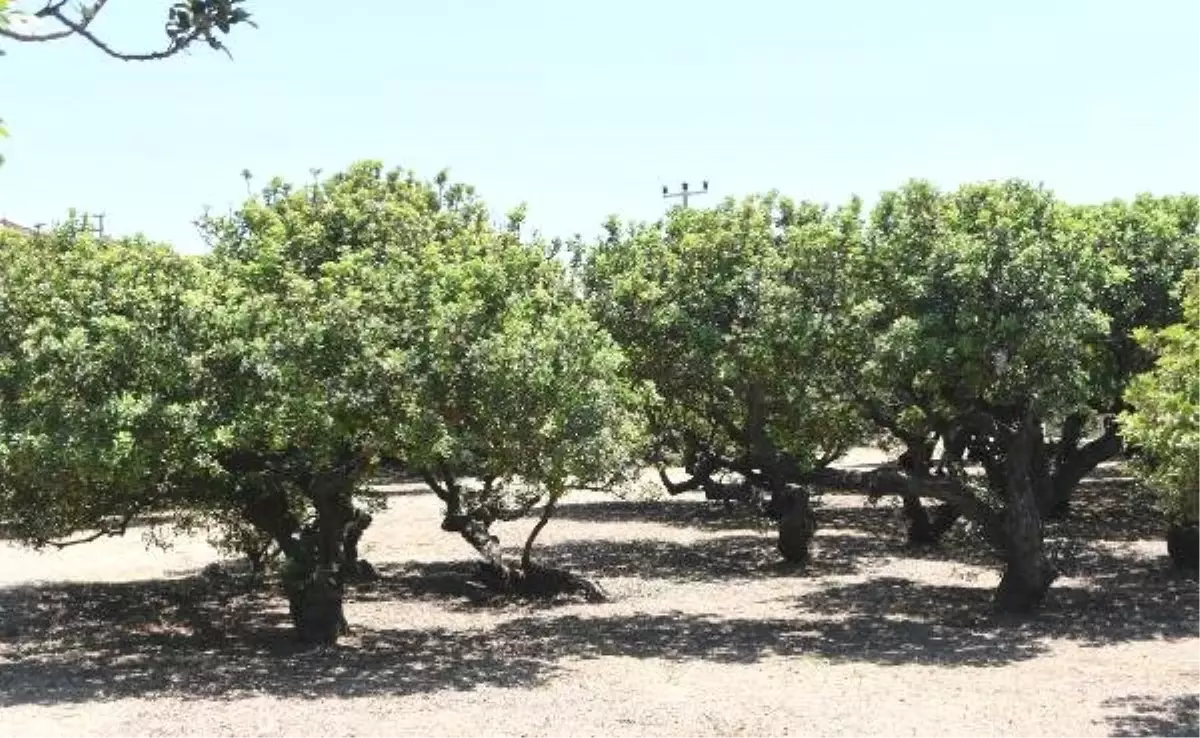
(706, 635)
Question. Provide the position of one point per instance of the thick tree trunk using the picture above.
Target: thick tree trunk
(1069, 438)
(315, 603)
(922, 530)
(1183, 545)
(1027, 573)
(925, 527)
(355, 568)
(319, 557)
(797, 526)
(796, 532)
(954, 448)
(318, 584)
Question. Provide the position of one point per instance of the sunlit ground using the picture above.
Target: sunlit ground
(706, 634)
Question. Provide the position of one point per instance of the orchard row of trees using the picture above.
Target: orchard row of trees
(995, 318)
(369, 315)
(374, 315)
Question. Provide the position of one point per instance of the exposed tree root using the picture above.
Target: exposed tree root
(539, 582)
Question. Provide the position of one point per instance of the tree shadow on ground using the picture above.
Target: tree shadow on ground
(1125, 600)
(883, 524)
(1142, 715)
(677, 512)
(720, 558)
(453, 584)
(1110, 507)
(77, 649)
(200, 638)
(217, 637)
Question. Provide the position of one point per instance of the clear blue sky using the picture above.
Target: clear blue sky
(583, 110)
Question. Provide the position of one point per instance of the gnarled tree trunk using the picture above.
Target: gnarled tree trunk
(319, 558)
(317, 583)
(925, 529)
(1027, 572)
(526, 578)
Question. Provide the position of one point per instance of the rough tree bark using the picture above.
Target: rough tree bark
(797, 526)
(267, 510)
(320, 558)
(916, 460)
(525, 578)
(1072, 462)
(885, 481)
(316, 587)
(1027, 573)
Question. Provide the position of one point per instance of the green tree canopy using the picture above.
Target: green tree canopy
(984, 311)
(375, 314)
(738, 316)
(97, 419)
(1164, 419)
(520, 392)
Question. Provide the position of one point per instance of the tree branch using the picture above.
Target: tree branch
(886, 481)
(1075, 464)
(526, 553)
(88, 14)
(119, 530)
(182, 36)
(676, 488)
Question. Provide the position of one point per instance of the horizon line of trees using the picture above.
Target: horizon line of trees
(373, 315)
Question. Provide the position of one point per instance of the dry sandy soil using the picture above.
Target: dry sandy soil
(706, 635)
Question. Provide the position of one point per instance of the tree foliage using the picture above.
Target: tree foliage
(374, 314)
(371, 315)
(519, 390)
(739, 317)
(984, 314)
(992, 317)
(317, 305)
(1164, 419)
(97, 419)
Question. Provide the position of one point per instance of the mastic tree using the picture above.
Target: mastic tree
(519, 395)
(372, 314)
(1147, 244)
(983, 308)
(305, 366)
(98, 423)
(739, 317)
(1163, 421)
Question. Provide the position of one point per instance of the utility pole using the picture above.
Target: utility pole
(86, 220)
(684, 193)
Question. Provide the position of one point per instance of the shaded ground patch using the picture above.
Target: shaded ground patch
(1140, 715)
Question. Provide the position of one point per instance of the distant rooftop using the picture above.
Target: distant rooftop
(10, 225)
